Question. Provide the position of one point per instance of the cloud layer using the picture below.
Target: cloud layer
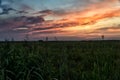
(88, 19)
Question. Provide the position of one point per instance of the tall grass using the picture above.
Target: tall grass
(60, 60)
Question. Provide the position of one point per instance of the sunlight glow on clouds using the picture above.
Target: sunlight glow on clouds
(81, 19)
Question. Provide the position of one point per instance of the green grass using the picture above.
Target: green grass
(92, 60)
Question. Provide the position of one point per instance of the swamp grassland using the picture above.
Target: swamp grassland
(85, 60)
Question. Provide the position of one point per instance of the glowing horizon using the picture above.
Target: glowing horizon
(80, 19)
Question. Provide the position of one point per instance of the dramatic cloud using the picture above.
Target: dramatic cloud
(86, 19)
(44, 12)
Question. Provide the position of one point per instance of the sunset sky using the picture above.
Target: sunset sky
(64, 19)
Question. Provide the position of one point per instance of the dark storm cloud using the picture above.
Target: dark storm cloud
(6, 7)
(34, 20)
(19, 25)
(29, 19)
(8, 25)
(17, 6)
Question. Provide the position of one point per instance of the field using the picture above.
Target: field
(85, 60)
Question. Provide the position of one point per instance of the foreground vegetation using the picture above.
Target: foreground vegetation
(92, 60)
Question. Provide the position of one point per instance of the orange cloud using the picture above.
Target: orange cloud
(72, 23)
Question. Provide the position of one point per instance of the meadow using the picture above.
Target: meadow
(85, 60)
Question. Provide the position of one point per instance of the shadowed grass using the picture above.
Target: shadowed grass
(60, 60)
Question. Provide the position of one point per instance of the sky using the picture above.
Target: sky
(61, 19)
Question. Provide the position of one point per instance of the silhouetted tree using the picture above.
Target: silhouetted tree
(56, 39)
(26, 37)
(46, 38)
(102, 37)
(40, 40)
(12, 39)
(6, 40)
